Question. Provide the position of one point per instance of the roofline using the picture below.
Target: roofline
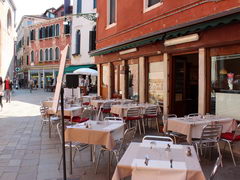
(49, 20)
(26, 16)
(13, 4)
(179, 26)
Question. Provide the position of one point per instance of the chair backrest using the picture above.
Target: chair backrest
(167, 116)
(43, 111)
(211, 132)
(59, 131)
(113, 119)
(194, 115)
(87, 113)
(158, 139)
(215, 168)
(133, 112)
(127, 138)
(151, 110)
(237, 132)
(106, 105)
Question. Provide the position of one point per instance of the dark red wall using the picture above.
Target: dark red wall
(132, 22)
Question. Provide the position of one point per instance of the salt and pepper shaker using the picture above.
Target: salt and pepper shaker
(188, 151)
(146, 160)
(171, 161)
(168, 148)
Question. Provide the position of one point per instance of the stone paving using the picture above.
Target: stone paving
(25, 155)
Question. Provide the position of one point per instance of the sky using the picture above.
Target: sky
(34, 7)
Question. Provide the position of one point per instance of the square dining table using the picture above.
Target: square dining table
(103, 133)
(162, 163)
(192, 127)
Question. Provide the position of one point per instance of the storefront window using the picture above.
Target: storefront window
(155, 82)
(225, 83)
(133, 82)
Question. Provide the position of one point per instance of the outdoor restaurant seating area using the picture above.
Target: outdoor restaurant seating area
(110, 126)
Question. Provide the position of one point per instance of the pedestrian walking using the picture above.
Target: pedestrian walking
(8, 88)
(31, 83)
(1, 92)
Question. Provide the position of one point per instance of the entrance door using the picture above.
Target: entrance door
(185, 84)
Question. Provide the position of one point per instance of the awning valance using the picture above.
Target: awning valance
(72, 68)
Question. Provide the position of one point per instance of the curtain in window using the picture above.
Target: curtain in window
(78, 42)
(152, 2)
(51, 54)
(32, 56)
(57, 30)
(46, 55)
(112, 11)
(41, 55)
(57, 53)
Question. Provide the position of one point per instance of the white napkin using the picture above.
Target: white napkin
(158, 164)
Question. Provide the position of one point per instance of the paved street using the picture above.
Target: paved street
(24, 155)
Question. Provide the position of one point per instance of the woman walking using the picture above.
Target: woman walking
(8, 88)
(1, 92)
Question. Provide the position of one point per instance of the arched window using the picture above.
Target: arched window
(9, 20)
(32, 57)
(69, 53)
(41, 55)
(57, 30)
(46, 54)
(57, 53)
(51, 54)
(78, 42)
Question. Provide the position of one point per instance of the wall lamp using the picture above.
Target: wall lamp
(181, 40)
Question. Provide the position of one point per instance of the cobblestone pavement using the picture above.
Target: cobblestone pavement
(25, 155)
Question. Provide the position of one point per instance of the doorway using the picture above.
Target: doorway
(184, 98)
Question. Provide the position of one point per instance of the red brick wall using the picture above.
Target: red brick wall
(61, 41)
(131, 19)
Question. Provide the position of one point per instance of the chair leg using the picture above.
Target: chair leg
(196, 147)
(219, 152)
(157, 125)
(143, 125)
(74, 154)
(139, 127)
(99, 156)
(60, 163)
(230, 148)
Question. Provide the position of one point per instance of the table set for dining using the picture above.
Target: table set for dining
(145, 161)
(192, 126)
(141, 160)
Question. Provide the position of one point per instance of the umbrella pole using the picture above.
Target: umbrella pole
(63, 136)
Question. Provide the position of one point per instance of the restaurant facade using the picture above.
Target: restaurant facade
(185, 55)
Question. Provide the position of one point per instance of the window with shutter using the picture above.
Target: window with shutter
(79, 6)
(78, 42)
(92, 40)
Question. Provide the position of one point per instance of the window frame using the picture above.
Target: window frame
(109, 24)
(41, 56)
(146, 8)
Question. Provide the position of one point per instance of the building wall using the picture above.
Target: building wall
(7, 35)
(138, 23)
(84, 25)
(61, 41)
